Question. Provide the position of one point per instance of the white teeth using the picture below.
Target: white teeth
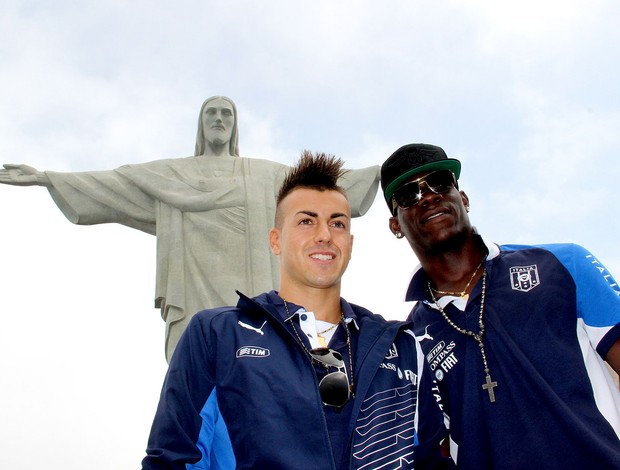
(322, 257)
(435, 215)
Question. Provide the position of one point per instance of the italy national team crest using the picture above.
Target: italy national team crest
(524, 278)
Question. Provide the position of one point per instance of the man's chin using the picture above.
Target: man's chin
(448, 243)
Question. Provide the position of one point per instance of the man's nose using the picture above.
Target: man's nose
(427, 195)
(323, 233)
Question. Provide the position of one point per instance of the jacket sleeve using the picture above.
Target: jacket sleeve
(598, 294)
(188, 385)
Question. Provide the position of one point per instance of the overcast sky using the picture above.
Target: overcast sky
(524, 93)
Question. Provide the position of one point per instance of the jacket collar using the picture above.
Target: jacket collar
(274, 304)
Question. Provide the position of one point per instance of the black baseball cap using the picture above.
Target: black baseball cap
(410, 160)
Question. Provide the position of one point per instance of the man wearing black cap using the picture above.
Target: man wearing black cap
(516, 336)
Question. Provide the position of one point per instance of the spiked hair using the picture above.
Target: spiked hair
(317, 171)
(314, 171)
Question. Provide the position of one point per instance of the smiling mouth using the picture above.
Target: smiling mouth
(434, 216)
(322, 257)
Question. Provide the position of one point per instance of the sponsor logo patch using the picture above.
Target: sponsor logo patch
(524, 278)
(252, 351)
(441, 359)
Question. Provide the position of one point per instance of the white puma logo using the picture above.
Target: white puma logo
(419, 339)
(250, 327)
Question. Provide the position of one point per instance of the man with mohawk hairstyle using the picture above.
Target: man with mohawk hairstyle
(299, 378)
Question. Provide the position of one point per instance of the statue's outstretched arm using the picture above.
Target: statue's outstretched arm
(23, 175)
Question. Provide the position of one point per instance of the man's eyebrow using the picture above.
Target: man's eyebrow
(308, 213)
(335, 215)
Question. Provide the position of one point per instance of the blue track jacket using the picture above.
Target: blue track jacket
(239, 397)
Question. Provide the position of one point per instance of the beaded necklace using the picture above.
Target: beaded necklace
(489, 385)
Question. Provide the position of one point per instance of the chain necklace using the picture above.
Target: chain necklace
(290, 318)
(321, 338)
(489, 385)
(463, 293)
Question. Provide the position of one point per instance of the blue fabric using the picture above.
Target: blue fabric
(213, 441)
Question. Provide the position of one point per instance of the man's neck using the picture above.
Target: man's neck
(324, 303)
(449, 269)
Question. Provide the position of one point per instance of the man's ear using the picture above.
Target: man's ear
(394, 225)
(274, 241)
(465, 199)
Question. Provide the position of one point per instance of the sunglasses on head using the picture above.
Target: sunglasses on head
(334, 387)
(409, 194)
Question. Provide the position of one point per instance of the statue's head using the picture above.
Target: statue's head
(226, 132)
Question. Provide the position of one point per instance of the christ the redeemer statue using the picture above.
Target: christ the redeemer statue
(211, 214)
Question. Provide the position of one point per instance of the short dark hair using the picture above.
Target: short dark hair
(317, 171)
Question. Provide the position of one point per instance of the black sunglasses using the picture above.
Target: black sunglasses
(409, 194)
(334, 387)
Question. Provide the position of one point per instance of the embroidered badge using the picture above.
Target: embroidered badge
(524, 278)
